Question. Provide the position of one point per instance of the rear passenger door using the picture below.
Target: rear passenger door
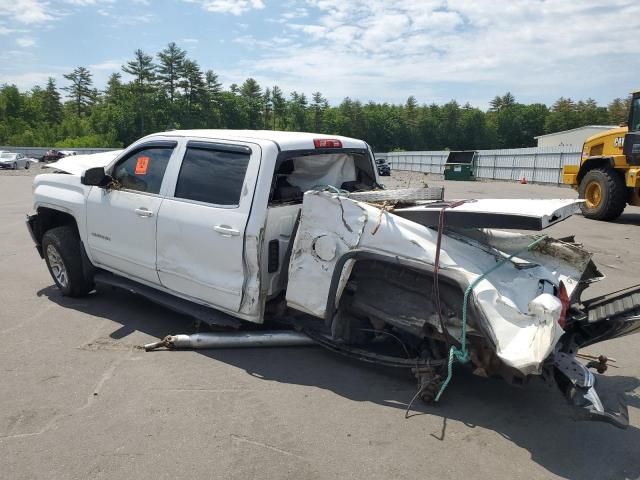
(201, 228)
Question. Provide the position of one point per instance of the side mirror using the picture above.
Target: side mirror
(95, 177)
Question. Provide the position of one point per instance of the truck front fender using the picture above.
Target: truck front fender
(60, 199)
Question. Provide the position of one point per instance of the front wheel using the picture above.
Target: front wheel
(14, 166)
(604, 192)
(62, 252)
(27, 165)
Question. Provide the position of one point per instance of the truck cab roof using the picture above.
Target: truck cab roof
(284, 140)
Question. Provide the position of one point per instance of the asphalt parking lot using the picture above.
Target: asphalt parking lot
(79, 399)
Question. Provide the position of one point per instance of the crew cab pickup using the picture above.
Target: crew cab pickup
(241, 227)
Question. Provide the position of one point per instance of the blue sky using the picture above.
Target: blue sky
(366, 49)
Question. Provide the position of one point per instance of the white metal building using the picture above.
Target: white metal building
(574, 137)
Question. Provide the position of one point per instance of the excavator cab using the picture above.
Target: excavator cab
(632, 138)
(608, 177)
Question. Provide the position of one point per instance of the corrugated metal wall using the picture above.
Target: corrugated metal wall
(38, 152)
(536, 164)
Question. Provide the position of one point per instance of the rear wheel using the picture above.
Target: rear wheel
(62, 252)
(604, 192)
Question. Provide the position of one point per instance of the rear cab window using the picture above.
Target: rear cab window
(334, 169)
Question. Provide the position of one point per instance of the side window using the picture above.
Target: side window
(212, 176)
(143, 170)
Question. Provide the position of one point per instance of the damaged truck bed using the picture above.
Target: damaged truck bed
(300, 232)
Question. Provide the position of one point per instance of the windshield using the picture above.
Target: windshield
(7, 155)
(634, 120)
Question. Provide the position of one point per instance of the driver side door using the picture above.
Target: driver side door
(121, 222)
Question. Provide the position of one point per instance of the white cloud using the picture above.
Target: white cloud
(109, 65)
(85, 3)
(384, 49)
(25, 42)
(27, 80)
(234, 7)
(26, 11)
(188, 40)
(41, 11)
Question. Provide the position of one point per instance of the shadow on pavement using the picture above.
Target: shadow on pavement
(628, 219)
(535, 418)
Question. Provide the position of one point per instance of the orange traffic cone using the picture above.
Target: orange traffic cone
(523, 180)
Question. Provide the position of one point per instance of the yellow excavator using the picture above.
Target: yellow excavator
(608, 177)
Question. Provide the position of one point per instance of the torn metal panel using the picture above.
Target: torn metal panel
(520, 214)
(522, 325)
(339, 228)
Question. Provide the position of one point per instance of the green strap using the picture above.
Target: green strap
(461, 354)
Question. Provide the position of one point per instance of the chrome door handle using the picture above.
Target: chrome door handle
(143, 212)
(226, 230)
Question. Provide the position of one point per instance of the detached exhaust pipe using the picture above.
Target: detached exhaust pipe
(275, 338)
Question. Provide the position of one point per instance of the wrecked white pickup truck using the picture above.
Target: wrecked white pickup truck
(240, 227)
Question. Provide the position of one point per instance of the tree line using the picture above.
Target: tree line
(171, 91)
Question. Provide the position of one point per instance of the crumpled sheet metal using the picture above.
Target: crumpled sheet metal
(525, 331)
(77, 164)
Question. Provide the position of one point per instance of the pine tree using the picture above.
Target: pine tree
(279, 108)
(113, 92)
(252, 93)
(143, 70)
(51, 105)
(80, 89)
(267, 107)
(214, 87)
(318, 107)
(171, 68)
(193, 82)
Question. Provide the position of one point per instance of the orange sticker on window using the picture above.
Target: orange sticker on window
(141, 165)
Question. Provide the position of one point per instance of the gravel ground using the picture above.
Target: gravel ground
(79, 399)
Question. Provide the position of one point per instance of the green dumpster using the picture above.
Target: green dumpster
(461, 165)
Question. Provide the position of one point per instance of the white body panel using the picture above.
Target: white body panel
(279, 227)
(121, 231)
(179, 241)
(526, 329)
(200, 247)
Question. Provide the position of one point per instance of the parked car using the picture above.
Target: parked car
(384, 169)
(247, 227)
(14, 161)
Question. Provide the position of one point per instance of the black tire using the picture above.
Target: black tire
(27, 165)
(14, 166)
(61, 245)
(613, 194)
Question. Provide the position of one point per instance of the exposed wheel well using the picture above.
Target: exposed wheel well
(395, 295)
(49, 218)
